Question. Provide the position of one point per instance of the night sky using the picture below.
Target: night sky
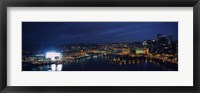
(54, 33)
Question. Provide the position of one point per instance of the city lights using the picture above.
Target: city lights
(86, 47)
(53, 56)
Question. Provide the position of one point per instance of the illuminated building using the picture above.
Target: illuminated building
(53, 56)
(146, 51)
(139, 51)
(144, 43)
(36, 58)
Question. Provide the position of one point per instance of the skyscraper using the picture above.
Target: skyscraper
(158, 36)
(169, 39)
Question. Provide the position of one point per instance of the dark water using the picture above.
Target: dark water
(107, 64)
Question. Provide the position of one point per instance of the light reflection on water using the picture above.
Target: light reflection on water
(56, 68)
(51, 67)
(108, 64)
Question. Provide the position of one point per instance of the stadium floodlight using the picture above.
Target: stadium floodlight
(53, 55)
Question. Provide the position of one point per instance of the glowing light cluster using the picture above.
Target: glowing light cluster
(53, 55)
(56, 68)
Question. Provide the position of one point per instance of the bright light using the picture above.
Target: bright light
(53, 55)
(56, 68)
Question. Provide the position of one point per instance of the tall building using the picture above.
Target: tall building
(144, 43)
(158, 36)
(149, 42)
(169, 39)
(163, 41)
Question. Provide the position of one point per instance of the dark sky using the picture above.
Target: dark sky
(94, 32)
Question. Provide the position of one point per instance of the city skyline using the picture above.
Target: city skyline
(99, 46)
(54, 33)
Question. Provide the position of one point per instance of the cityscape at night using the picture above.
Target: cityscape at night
(99, 46)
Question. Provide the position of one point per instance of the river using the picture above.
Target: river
(106, 63)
